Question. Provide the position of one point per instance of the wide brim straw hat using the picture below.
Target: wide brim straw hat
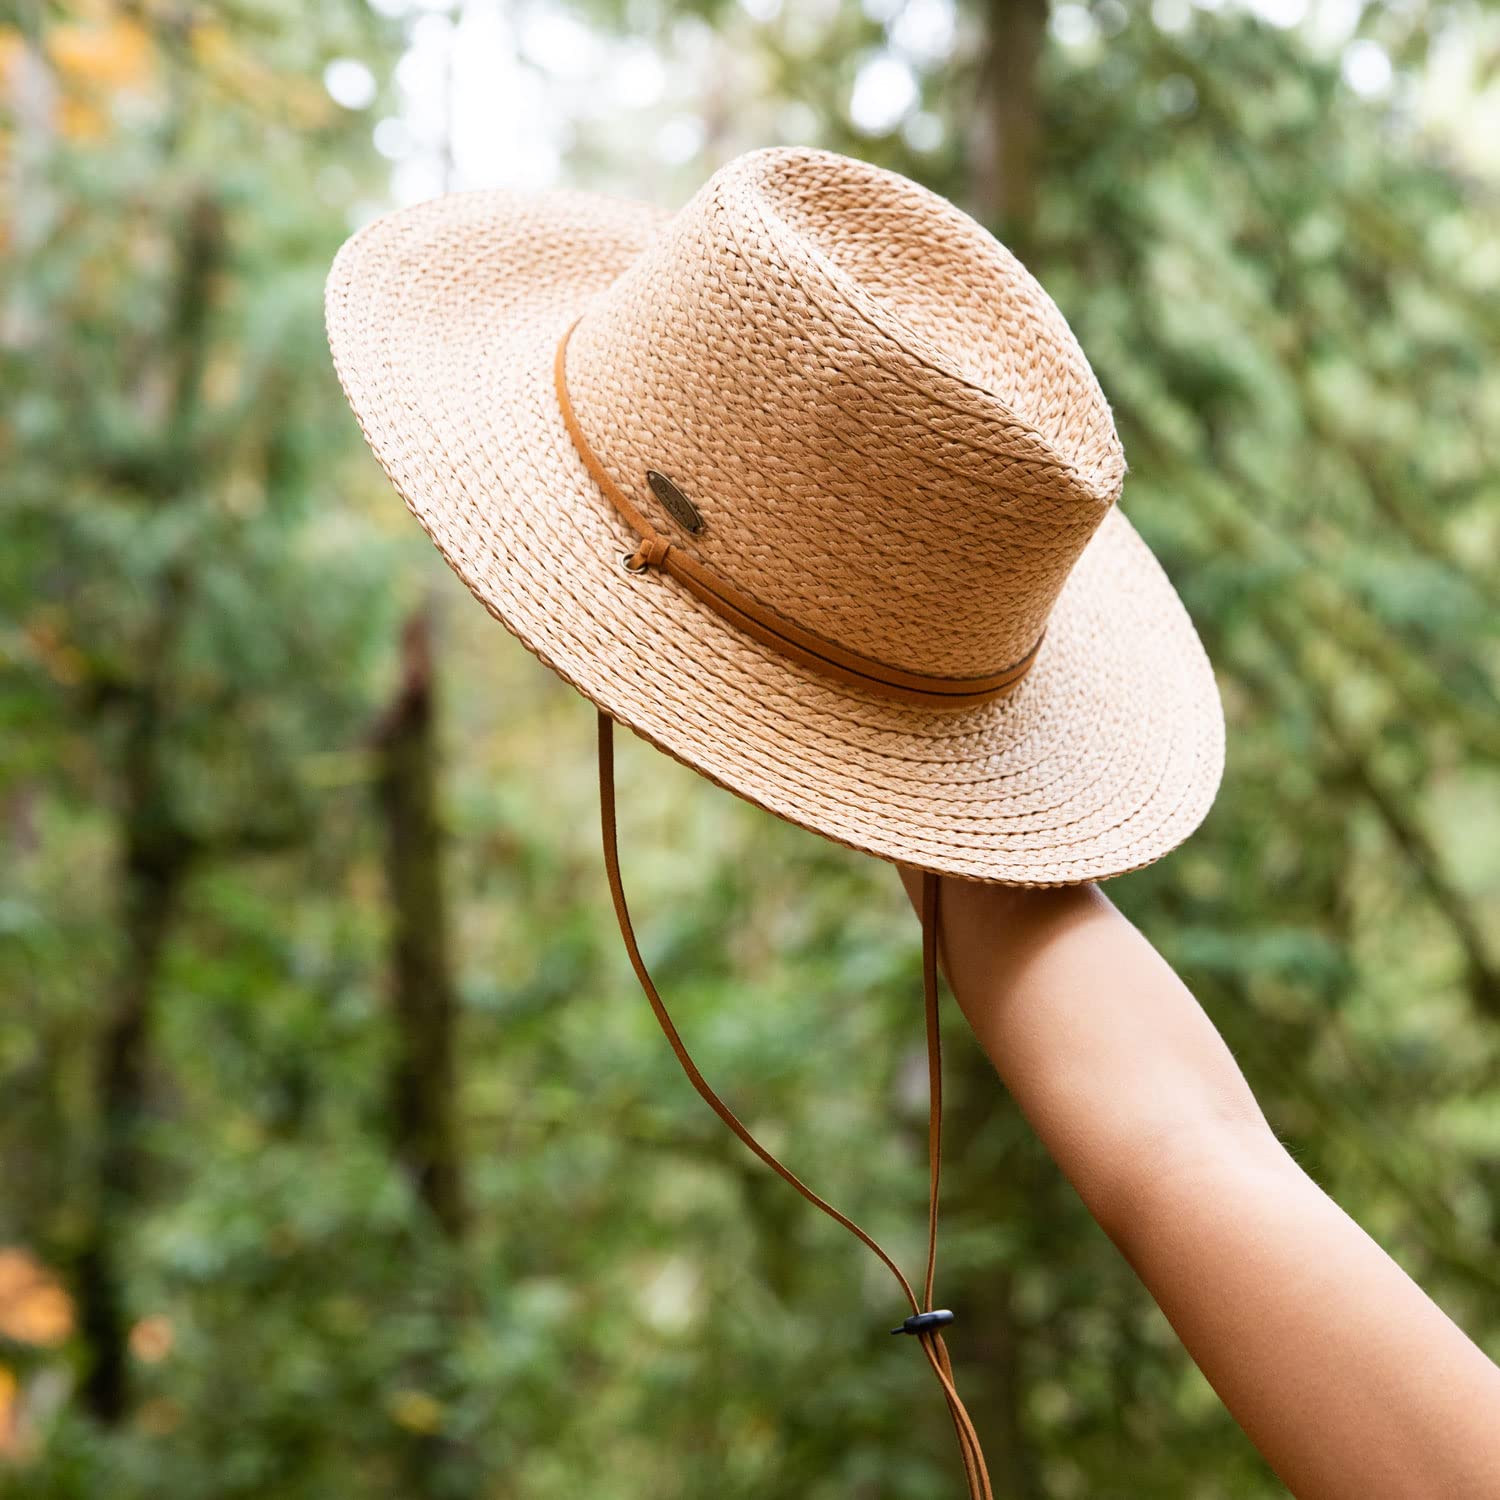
(808, 484)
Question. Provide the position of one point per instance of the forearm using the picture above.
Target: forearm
(1351, 1382)
(1347, 1377)
(1107, 1054)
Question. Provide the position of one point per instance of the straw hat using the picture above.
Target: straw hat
(810, 485)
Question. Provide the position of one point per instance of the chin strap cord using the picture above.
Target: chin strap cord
(925, 1322)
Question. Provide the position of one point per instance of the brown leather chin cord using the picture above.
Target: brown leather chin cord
(925, 1321)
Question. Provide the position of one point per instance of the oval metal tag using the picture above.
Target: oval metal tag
(682, 510)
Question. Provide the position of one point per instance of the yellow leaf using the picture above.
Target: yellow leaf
(34, 1309)
(416, 1411)
(10, 1417)
(81, 121)
(113, 55)
(210, 43)
(151, 1339)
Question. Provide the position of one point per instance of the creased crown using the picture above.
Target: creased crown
(888, 429)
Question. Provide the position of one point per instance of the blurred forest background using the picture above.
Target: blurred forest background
(339, 1154)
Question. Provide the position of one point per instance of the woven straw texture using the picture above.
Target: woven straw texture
(894, 441)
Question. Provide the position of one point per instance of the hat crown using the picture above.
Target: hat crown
(887, 428)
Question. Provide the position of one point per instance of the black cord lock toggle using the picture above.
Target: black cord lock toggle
(926, 1322)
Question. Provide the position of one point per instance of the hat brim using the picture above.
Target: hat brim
(443, 320)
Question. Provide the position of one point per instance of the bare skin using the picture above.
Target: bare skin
(1352, 1383)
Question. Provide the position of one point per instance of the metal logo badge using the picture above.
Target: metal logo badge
(681, 509)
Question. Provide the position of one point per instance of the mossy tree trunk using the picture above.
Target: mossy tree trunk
(424, 1007)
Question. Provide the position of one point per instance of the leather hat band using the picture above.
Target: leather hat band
(763, 624)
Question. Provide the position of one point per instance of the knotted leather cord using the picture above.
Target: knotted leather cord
(931, 1340)
(760, 622)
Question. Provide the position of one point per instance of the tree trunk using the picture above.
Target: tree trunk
(154, 860)
(422, 992)
(1006, 131)
(150, 891)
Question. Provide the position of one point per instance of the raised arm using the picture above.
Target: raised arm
(1346, 1376)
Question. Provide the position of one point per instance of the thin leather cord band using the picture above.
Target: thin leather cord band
(754, 618)
(930, 1339)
